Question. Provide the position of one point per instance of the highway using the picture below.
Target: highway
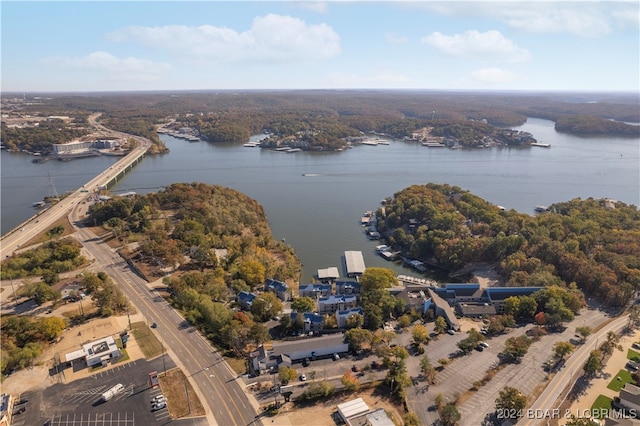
(18, 237)
(543, 408)
(215, 383)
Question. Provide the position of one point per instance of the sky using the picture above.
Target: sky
(537, 45)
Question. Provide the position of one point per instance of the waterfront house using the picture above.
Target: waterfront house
(315, 291)
(348, 287)
(333, 303)
(279, 288)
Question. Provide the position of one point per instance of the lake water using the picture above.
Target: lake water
(320, 215)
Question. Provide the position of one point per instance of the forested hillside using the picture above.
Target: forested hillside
(321, 120)
(215, 242)
(588, 242)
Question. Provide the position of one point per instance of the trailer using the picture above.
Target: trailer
(112, 392)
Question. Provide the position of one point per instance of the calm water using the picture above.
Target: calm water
(319, 215)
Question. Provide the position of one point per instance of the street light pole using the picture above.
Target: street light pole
(164, 366)
(186, 389)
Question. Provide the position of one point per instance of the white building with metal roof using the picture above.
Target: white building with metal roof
(354, 263)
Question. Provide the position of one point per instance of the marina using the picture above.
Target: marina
(517, 179)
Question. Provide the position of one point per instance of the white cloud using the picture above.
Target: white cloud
(490, 45)
(315, 6)
(582, 21)
(129, 68)
(491, 75)
(272, 38)
(581, 18)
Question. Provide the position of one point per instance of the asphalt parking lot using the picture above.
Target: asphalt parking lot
(79, 403)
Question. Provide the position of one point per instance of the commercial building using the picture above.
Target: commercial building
(97, 352)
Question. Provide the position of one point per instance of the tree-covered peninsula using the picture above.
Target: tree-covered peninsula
(592, 243)
(210, 243)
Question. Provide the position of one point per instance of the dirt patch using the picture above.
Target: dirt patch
(175, 388)
(323, 413)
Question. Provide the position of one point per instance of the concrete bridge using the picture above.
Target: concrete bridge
(23, 233)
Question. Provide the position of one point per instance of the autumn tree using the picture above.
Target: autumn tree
(449, 415)
(510, 404)
(265, 306)
(376, 301)
(286, 374)
(303, 304)
(562, 349)
(252, 272)
(516, 347)
(353, 321)
(593, 365)
(420, 334)
(350, 382)
(583, 331)
(611, 343)
(51, 327)
(358, 338)
(428, 370)
(440, 325)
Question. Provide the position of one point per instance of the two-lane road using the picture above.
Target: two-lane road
(546, 402)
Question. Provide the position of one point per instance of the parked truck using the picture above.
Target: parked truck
(110, 393)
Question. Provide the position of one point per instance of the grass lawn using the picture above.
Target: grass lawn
(601, 403)
(621, 378)
(148, 342)
(633, 355)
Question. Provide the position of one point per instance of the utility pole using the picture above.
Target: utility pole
(186, 389)
(164, 366)
(129, 318)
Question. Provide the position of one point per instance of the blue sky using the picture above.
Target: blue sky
(451, 45)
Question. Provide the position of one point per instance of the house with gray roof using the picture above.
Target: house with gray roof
(630, 397)
(311, 320)
(348, 287)
(315, 291)
(333, 303)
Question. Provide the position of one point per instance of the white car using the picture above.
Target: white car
(303, 378)
(485, 344)
(158, 405)
(451, 332)
(158, 398)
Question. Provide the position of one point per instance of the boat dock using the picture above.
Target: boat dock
(354, 263)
